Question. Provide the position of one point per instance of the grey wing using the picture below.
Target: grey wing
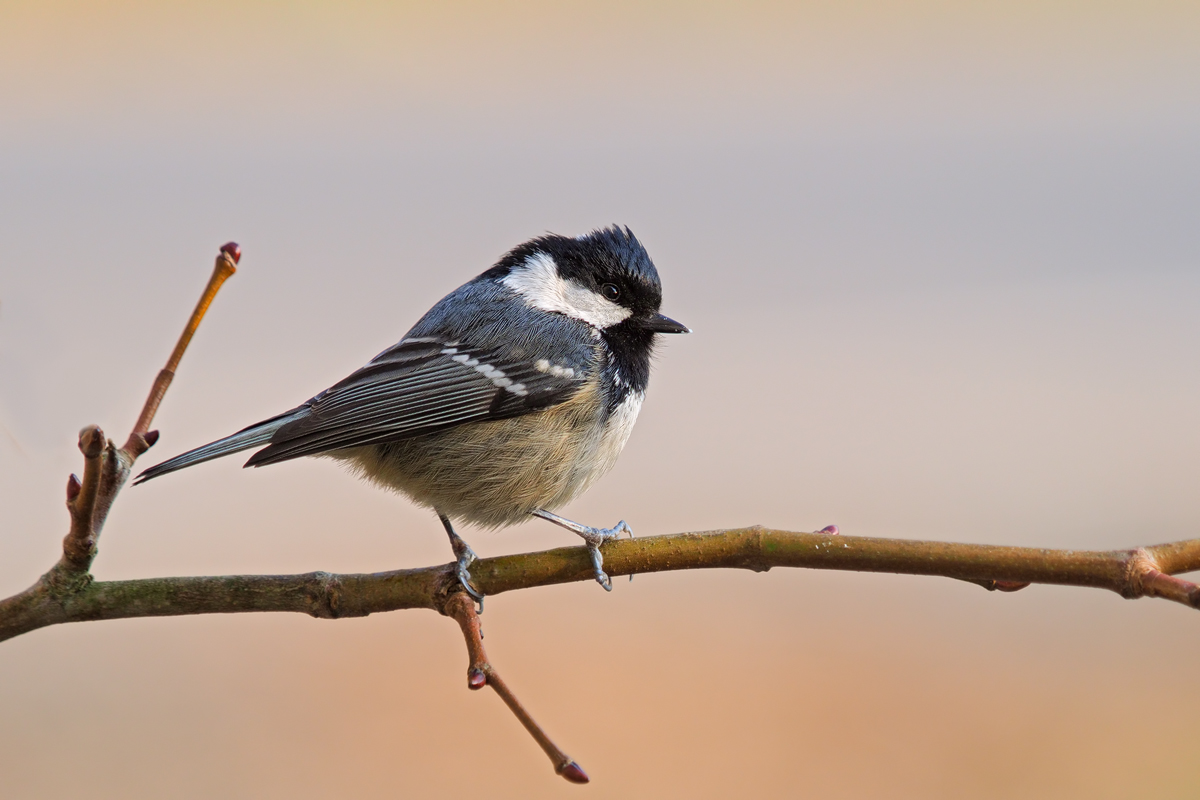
(419, 386)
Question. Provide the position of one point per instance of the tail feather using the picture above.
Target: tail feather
(255, 435)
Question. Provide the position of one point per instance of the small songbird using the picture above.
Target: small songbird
(509, 398)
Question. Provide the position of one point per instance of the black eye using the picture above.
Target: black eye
(610, 291)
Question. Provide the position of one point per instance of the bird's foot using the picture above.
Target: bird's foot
(594, 537)
(464, 560)
(464, 556)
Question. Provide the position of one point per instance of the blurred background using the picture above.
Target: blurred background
(941, 264)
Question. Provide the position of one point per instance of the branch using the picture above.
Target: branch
(1143, 572)
(106, 467)
(225, 267)
(481, 673)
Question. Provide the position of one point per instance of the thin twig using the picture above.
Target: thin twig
(226, 266)
(79, 545)
(480, 673)
(106, 468)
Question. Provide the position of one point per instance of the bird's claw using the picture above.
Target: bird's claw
(595, 537)
(464, 579)
(464, 557)
(598, 564)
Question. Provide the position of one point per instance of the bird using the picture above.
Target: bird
(509, 398)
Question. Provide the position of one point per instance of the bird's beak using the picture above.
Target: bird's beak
(660, 324)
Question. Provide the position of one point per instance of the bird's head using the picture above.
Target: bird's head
(604, 278)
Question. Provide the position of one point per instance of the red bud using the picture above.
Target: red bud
(574, 773)
(73, 487)
(151, 438)
(832, 530)
(232, 250)
(476, 679)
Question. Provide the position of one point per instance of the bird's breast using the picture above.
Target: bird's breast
(615, 432)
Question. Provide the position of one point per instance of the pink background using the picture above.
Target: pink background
(941, 263)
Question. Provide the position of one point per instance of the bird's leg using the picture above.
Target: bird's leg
(594, 538)
(463, 555)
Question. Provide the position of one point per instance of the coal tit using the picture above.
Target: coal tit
(509, 398)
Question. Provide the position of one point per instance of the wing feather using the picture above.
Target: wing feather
(417, 387)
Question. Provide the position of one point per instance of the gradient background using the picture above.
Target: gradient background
(941, 263)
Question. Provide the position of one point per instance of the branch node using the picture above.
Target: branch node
(1137, 570)
(64, 582)
(324, 595)
(138, 443)
(446, 589)
(1159, 584)
(756, 560)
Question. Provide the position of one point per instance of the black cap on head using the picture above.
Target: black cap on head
(610, 256)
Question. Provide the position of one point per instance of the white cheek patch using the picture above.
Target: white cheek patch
(538, 282)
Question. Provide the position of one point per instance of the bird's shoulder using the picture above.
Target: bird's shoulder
(484, 316)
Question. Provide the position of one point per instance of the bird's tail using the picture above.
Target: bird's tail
(257, 434)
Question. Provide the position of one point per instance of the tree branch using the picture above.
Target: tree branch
(106, 467)
(1142, 572)
(225, 267)
(480, 673)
